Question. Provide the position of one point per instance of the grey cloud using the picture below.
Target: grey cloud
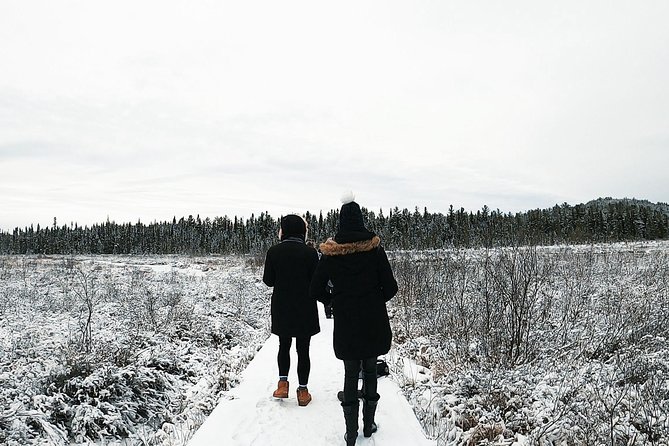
(62, 155)
(27, 149)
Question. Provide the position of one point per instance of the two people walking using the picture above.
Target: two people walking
(354, 275)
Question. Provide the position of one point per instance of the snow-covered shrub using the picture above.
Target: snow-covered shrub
(164, 339)
(482, 306)
(107, 402)
(558, 345)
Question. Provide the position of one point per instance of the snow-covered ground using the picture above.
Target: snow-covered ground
(122, 350)
(560, 345)
(249, 415)
(137, 350)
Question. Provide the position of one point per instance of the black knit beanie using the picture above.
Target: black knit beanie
(293, 226)
(350, 218)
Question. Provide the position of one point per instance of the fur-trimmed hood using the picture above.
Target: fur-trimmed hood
(332, 248)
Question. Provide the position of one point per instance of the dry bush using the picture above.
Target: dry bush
(490, 303)
(597, 316)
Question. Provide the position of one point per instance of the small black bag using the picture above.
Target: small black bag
(382, 368)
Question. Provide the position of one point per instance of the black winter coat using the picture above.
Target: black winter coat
(289, 267)
(362, 284)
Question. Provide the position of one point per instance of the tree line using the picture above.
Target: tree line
(602, 220)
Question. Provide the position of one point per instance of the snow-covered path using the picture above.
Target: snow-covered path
(254, 417)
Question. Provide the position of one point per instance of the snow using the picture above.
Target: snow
(414, 373)
(210, 319)
(193, 324)
(251, 416)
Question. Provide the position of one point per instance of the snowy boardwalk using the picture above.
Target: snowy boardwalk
(253, 417)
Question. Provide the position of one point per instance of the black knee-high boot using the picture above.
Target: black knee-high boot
(351, 420)
(368, 411)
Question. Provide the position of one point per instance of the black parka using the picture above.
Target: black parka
(362, 282)
(289, 267)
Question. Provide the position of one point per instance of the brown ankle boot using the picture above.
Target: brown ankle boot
(303, 397)
(281, 390)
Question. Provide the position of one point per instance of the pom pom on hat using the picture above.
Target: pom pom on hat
(347, 197)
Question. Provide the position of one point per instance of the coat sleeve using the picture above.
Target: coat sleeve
(319, 281)
(388, 282)
(313, 264)
(269, 275)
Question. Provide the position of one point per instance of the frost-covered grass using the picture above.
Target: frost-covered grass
(122, 350)
(547, 346)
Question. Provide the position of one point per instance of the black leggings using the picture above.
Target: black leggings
(351, 373)
(303, 361)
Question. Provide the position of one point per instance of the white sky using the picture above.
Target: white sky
(149, 110)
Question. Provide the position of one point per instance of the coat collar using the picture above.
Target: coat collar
(293, 239)
(332, 248)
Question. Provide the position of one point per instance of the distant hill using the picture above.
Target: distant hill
(603, 203)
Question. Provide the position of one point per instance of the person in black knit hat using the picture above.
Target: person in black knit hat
(289, 267)
(362, 282)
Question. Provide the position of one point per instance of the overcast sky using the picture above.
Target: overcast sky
(147, 110)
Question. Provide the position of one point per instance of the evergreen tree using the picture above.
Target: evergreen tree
(604, 220)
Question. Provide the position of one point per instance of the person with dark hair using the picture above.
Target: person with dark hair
(289, 267)
(362, 282)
